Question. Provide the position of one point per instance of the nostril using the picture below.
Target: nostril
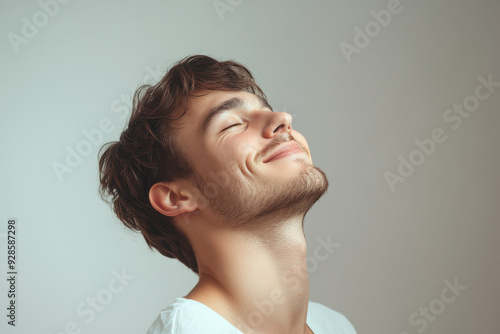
(279, 127)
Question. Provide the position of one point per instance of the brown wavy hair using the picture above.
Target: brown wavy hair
(148, 152)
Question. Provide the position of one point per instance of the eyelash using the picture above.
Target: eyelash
(231, 126)
(236, 124)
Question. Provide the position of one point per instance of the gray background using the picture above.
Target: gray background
(396, 247)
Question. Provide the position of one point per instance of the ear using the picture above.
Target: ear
(171, 199)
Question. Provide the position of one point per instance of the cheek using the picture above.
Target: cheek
(229, 154)
(246, 147)
(242, 144)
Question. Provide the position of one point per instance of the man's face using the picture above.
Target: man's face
(229, 153)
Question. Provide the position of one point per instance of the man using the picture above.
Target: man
(212, 176)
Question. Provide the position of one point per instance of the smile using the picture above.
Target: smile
(285, 150)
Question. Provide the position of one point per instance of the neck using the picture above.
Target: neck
(257, 280)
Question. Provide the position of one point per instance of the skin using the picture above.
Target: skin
(243, 217)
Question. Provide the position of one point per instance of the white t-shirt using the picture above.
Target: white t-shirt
(187, 316)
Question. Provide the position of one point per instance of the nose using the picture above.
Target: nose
(278, 122)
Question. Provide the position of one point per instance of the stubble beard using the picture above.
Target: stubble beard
(243, 205)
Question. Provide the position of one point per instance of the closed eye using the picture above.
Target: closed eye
(231, 126)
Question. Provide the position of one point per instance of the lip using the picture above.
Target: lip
(285, 150)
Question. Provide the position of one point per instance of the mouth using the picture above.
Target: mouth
(285, 150)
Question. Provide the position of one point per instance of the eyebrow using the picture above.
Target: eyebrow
(232, 103)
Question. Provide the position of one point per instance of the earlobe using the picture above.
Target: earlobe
(168, 200)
